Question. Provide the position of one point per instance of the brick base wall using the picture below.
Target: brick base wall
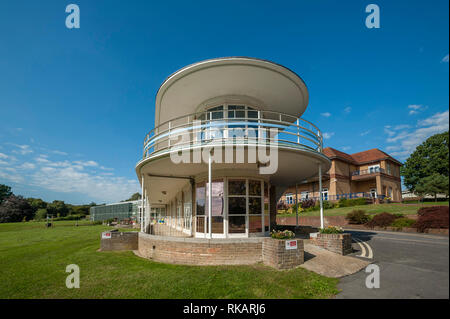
(120, 241)
(199, 251)
(336, 243)
(276, 255)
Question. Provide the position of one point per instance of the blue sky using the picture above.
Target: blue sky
(75, 104)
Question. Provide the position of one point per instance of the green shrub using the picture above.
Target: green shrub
(403, 222)
(331, 230)
(282, 234)
(327, 204)
(381, 220)
(357, 217)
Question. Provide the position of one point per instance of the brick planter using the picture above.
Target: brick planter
(336, 243)
(275, 253)
(114, 240)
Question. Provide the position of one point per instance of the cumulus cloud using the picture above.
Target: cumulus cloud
(326, 114)
(328, 135)
(365, 133)
(86, 177)
(407, 138)
(348, 109)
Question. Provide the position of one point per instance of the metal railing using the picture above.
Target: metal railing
(337, 197)
(231, 127)
(369, 171)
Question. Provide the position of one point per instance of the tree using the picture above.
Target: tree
(433, 185)
(431, 157)
(135, 196)
(5, 192)
(57, 208)
(36, 203)
(15, 209)
(41, 214)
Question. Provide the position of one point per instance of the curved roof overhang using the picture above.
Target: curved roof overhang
(277, 87)
(293, 166)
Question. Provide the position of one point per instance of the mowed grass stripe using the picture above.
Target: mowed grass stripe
(33, 262)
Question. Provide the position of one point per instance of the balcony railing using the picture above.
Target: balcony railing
(369, 171)
(231, 128)
(337, 197)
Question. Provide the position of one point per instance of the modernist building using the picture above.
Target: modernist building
(372, 174)
(228, 140)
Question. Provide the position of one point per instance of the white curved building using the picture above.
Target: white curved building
(230, 127)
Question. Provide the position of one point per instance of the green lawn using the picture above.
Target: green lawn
(406, 209)
(33, 262)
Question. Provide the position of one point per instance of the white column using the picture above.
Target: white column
(320, 196)
(296, 206)
(210, 195)
(141, 221)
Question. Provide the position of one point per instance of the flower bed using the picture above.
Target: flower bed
(336, 242)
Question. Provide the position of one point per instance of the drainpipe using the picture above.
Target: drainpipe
(320, 195)
(210, 196)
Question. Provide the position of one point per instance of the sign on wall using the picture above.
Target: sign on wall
(106, 235)
(291, 244)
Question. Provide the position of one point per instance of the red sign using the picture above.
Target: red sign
(291, 244)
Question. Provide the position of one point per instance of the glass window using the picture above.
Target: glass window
(200, 198)
(254, 188)
(236, 205)
(254, 205)
(217, 224)
(236, 224)
(236, 187)
(255, 224)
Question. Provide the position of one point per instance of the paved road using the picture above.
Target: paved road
(411, 266)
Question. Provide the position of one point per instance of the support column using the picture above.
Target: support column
(210, 195)
(141, 222)
(296, 205)
(320, 195)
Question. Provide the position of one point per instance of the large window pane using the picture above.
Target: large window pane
(254, 188)
(201, 224)
(216, 206)
(255, 224)
(254, 205)
(236, 205)
(236, 224)
(236, 187)
(217, 225)
(217, 188)
(200, 206)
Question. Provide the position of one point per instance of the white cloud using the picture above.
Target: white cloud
(87, 163)
(59, 153)
(326, 114)
(365, 133)
(346, 148)
(328, 135)
(27, 165)
(416, 108)
(408, 139)
(348, 109)
(65, 176)
(445, 59)
(22, 149)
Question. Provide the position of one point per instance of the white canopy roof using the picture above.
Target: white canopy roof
(276, 87)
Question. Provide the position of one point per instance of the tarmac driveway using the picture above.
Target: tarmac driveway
(411, 266)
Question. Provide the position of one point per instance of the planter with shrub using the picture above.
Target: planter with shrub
(282, 251)
(333, 238)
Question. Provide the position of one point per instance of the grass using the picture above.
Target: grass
(373, 209)
(33, 262)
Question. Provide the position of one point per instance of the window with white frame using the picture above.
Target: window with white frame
(374, 169)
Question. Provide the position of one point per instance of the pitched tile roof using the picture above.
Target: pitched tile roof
(359, 158)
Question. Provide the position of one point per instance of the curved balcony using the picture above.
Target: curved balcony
(232, 128)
